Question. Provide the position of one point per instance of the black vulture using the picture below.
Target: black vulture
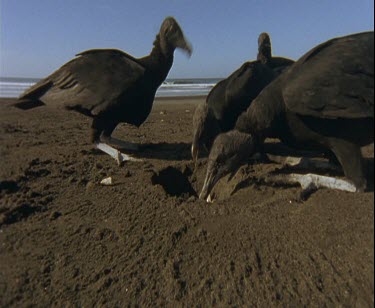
(110, 85)
(233, 95)
(325, 102)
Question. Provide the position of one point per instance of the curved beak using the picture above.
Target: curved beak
(194, 152)
(185, 45)
(209, 183)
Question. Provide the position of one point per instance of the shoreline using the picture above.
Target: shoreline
(181, 98)
(165, 99)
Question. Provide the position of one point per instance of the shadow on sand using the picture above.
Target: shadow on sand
(181, 151)
(163, 151)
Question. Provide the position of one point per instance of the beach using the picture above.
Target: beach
(147, 240)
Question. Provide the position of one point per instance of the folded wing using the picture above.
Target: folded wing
(90, 83)
(334, 80)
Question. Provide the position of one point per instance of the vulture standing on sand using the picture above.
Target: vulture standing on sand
(233, 95)
(110, 86)
(324, 101)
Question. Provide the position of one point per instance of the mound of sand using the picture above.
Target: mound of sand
(147, 240)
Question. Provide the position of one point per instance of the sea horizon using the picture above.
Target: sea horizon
(12, 87)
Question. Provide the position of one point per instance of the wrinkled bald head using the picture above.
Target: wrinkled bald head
(227, 154)
(205, 129)
(172, 37)
(244, 85)
(264, 48)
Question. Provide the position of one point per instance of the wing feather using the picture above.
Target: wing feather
(92, 82)
(334, 80)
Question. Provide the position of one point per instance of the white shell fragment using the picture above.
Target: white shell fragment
(107, 181)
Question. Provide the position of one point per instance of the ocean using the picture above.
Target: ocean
(13, 87)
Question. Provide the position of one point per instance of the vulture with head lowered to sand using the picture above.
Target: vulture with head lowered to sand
(110, 86)
(325, 102)
(233, 95)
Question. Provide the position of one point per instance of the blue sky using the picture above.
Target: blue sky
(38, 36)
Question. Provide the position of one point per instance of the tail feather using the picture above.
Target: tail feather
(31, 97)
(37, 90)
(26, 104)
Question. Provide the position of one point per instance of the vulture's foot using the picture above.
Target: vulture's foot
(303, 162)
(310, 183)
(313, 181)
(116, 154)
(120, 144)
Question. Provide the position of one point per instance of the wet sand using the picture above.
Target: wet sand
(66, 240)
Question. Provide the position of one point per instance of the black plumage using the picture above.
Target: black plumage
(233, 95)
(325, 102)
(109, 85)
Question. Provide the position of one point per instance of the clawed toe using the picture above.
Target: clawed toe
(116, 154)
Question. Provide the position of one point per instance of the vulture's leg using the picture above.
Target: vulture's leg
(96, 132)
(106, 137)
(351, 160)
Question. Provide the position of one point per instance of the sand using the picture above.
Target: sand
(146, 240)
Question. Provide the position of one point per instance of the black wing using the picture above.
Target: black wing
(279, 63)
(334, 80)
(92, 82)
(238, 83)
(216, 99)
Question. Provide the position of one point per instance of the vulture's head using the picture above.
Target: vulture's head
(228, 152)
(172, 37)
(264, 48)
(205, 130)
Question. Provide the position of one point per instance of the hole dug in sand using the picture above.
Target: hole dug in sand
(179, 181)
(174, 181)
